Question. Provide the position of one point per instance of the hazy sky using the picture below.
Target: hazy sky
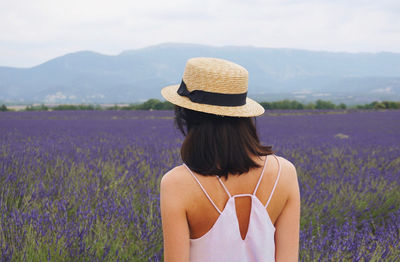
(32, 32)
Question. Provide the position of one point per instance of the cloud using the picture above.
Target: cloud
(35, 31)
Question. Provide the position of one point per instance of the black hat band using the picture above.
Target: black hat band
(211, 98)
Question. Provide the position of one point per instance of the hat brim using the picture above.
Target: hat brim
(250, 109)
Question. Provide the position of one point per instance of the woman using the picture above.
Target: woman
(232, 199)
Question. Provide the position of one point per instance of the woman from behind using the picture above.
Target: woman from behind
(233, 199)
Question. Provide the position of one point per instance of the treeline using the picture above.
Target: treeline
(296, 105)
(63, 107)
(155, 104)
(380, 105)
(151, 104)
(322, 104)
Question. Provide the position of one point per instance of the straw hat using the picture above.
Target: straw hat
(215, 86)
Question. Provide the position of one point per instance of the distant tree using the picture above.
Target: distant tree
(310, 106)
(114, 107)
(153, 104)
(164, 106)
(77, 107)
(296, 105)
(158, 106)
(341, 106)
(322, 104)
(37, 108)
(149, 104)
(391, 104)
(373, 105)
(266, 105)
(283, 104)
(3, 108)
(130, 107)
(379, 106)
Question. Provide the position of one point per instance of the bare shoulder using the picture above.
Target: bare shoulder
(288, 172)
(287, 166)
(175, 176)
(176, 181)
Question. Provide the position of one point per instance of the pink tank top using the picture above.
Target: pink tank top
(223, 241)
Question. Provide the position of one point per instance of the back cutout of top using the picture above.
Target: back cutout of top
(223, 242)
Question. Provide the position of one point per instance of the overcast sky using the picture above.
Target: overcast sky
(32, 32)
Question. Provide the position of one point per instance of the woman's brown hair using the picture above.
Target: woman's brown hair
(218, 145)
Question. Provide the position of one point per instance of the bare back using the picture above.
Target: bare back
(201, 215)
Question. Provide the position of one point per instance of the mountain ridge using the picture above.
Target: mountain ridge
(139, 74)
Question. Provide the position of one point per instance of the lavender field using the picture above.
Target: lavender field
(84, 185)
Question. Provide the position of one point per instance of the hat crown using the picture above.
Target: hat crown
(215, 75)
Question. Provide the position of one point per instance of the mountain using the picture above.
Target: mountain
(136, 75)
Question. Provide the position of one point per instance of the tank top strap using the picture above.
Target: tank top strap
(223, 185)
(202, 188)
(276, 181)
(261, 176)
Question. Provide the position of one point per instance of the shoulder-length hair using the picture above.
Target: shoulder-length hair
(218, 145)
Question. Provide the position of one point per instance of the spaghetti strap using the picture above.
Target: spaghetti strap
(261, 176)
(202, 188)
(258, 183)
(223, 185)
(276, 182)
